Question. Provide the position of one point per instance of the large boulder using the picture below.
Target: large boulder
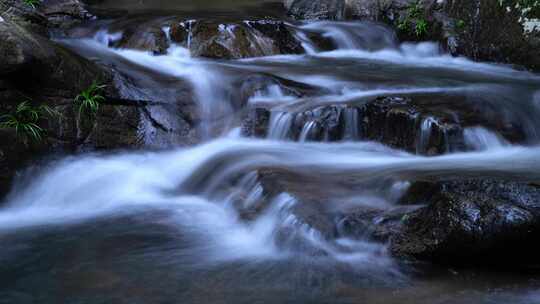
(40, 72)
(473, 221)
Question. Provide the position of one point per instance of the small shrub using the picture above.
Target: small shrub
(415, 21)
(89, 100)
(25, 121)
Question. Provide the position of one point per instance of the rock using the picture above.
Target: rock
(378, 225)
(42, 64)
(316, 10)
(48, 15)
(256, 122)
(400, 123)
(470, 221)
(486, 31)
(245, 39)
(64, 14)
(24, 16)
(146, 38)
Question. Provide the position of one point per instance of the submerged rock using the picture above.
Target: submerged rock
(473, 221)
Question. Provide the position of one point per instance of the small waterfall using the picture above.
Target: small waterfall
(107, 39)
(272, 94)
(167, 31)
(188, 25)
(250, 191)
(258, 41)
(355, 36)
(479, 138)
(352, 124)
(425, 133)
(280, 125)
(536, 99)
(307, 131)
(227, 30)
(309, 47)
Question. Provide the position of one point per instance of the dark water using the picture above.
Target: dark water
(140, 258)
(164, 227)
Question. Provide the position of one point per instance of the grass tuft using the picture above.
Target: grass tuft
(89, 100)
(32, 3)
(25, 121)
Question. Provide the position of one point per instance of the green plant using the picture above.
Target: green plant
(460, 24)
(89, 100)
(415, 10)
(415, 21)
(421, 28)
(32, 3)
(24, 120)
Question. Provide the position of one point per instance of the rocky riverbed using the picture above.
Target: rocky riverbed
(296, 151)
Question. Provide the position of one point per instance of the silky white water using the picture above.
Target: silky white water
(218, 224)
(192, 180)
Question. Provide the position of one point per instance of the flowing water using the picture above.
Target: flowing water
(197, 225)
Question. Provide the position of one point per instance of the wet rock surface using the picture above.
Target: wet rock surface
(373, 224)
(473, 221)
(245, 39)
(146, 37)
(64, 14)
(487, 31)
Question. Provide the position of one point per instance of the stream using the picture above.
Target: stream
(199, 224)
